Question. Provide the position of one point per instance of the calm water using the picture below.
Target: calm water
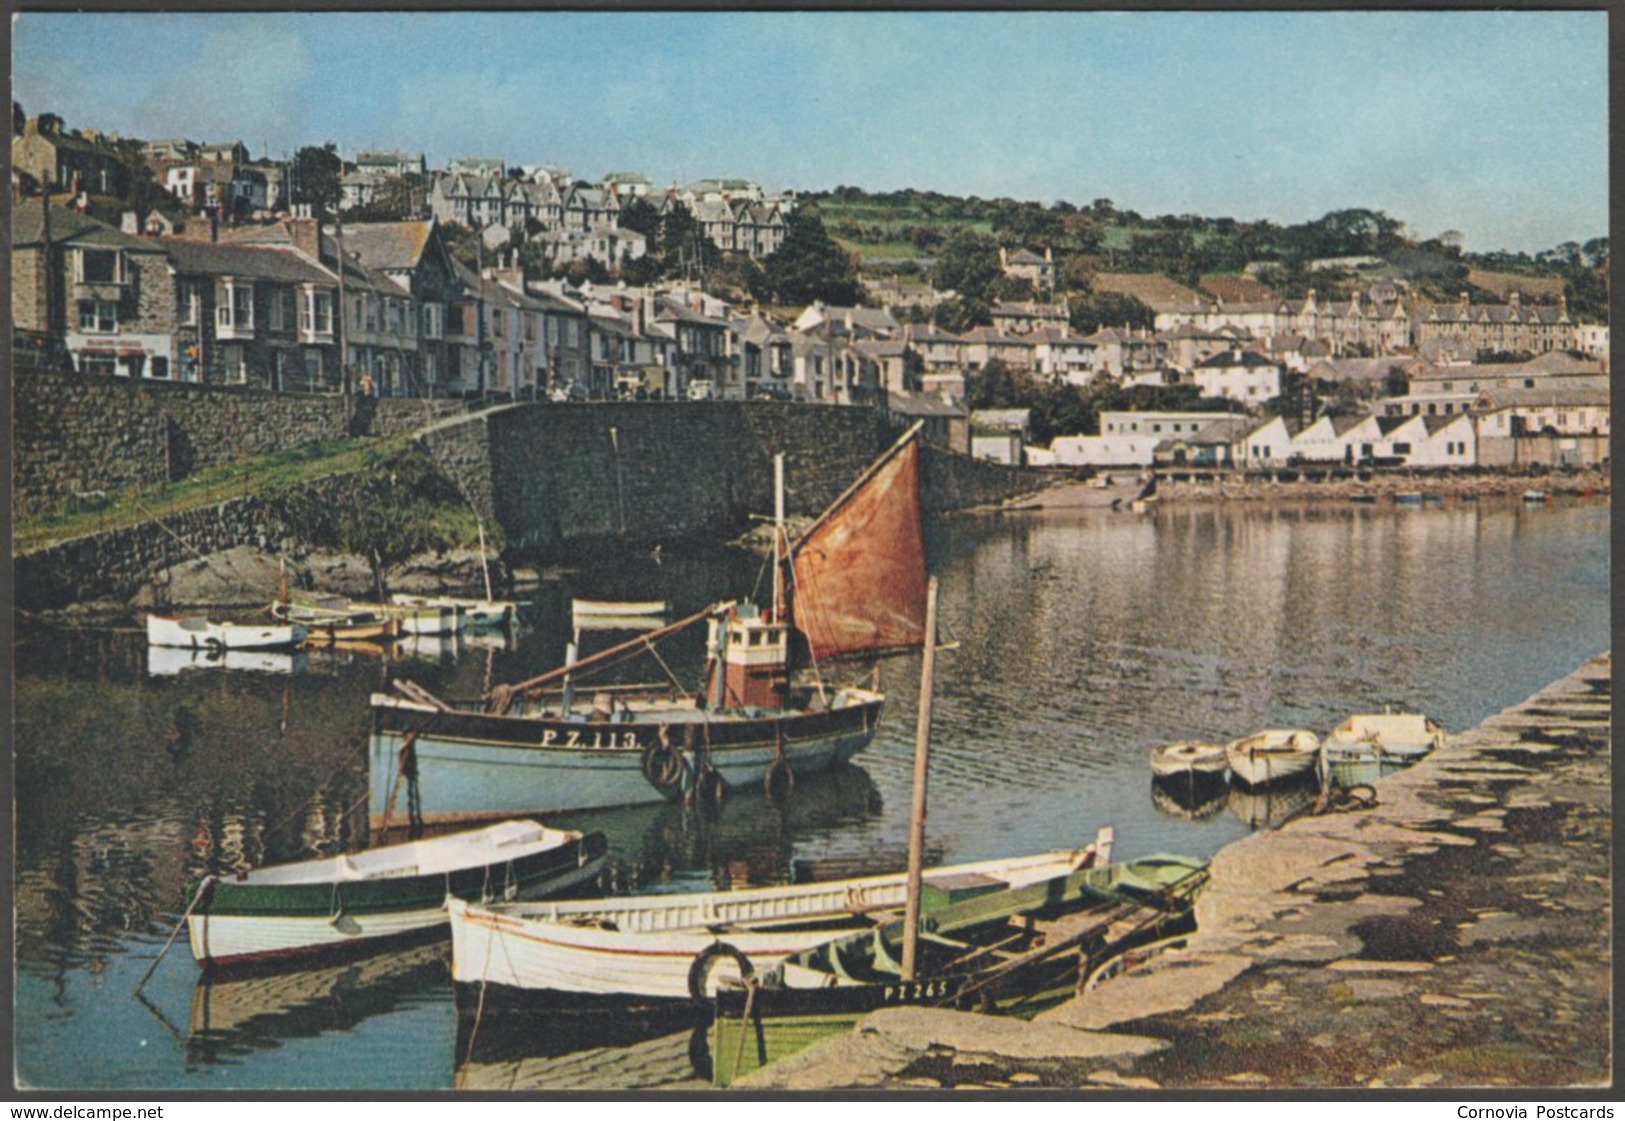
(1085, 639)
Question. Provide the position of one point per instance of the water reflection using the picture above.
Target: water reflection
(1188, 798)
(1086, 638)
(1271, 806)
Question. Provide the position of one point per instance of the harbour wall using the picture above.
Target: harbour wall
(75, 435)
(559, 481)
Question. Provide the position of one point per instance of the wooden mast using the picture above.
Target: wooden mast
(922, 766)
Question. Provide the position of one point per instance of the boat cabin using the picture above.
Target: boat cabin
(753, 650)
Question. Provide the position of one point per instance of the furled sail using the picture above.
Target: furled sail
(858, 574)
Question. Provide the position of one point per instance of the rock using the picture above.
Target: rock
(1172, 982)
(968, 1034)
(1025, 1078)
(1127, 1082)
(1248, 1078)
(1441, 1001)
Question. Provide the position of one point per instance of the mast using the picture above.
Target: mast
(778, 536)
(922, 766)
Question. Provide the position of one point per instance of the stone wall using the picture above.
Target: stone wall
(552, 480)
(75, 434)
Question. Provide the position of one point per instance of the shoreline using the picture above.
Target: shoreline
(1457, 934)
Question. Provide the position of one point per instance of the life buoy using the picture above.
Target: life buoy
(663, 765)
(710, 788)
(699, 973)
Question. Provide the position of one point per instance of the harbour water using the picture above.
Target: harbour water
(1084, 639)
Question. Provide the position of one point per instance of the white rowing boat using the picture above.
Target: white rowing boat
(193, 632)
(647, 946)
(1274, 755)
(481, 613)
(344, 902)
(1189, 761)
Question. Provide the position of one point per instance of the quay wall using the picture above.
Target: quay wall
(1286, 485)
(77, 435)
(557, 481)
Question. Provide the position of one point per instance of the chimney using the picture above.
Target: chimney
(1514, 297)
(306, 235)
(214, 227)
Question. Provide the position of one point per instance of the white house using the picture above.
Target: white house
(1269, 444)
(1452, 441)
(1324, 442)
(1128, 439)
(1239, 375)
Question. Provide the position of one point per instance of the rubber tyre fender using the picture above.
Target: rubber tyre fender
(700, 971)
(662, 765)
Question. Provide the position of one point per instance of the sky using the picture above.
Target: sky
(1492, 124)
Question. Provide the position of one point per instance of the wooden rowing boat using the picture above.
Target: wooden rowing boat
(644, 948)
(1272, 756)
(1016, 952)
(1189, 760)
(618, 609)
(194, 632)
(337, 620)
(477, 613)
(347, 902)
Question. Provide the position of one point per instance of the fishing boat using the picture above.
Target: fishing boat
(475, 613)
(1189, 761)
(1015, 951)
(194, 632)
(335, 619)
(1367, 746)
(853, 584)
(644, 948)
(1408, 498)
(1535, 497)
(348, 902)
(1271, 756)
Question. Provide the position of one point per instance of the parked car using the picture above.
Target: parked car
(699, 389)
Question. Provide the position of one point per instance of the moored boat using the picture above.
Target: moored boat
(195, 632)
(619, 609)
(853, 584)
(337, 620)
(644, 949)
(1272, 756)
(1388, 739)
(477, 613)
(436, 619)
(1408, 498)
(351, 901)
(1016, 952)
(1189, 760)
(1535, 497)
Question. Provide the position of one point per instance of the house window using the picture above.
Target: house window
(160, 368)
(189, 298)
(98, 266)
(433, 321)
(278, 314)
(496, 322)
(1402, 448)
(232, 365)
(242, 305)
(313, 368)
(98, 317)
(97, 364)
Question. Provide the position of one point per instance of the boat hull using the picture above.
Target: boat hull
(235, 924)
(473, 764)
(647, 948)
(200, 634)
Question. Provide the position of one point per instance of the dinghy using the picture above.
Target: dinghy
(193, 632)
(1274, 755)
(345, 902)
(1195, 761)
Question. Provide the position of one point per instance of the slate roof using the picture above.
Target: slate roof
(256, 262)
(28, 229)
(388, 245)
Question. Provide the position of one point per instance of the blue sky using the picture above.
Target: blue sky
(1490, 123)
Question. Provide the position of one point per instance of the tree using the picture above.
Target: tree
(1091, 311)
(683, 244)
(640, 216)
(969, 265)
(809, 266)
(316, 174)
(397, 199)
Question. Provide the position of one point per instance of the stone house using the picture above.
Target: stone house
(264, 316)
(848, 322)
(939, 351)
(394, 163)
(1026, 265)
(413, 257)
(1025, 317)
(60, 160)
(108, 295)
(767, 356)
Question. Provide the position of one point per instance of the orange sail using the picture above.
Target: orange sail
(859, 572)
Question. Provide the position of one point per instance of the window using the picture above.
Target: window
(98, 266)
(242, 305)
(277, 316)
(1402, 448)
(496, 322)
(189, 298)
(313, 368)
(160, 367)
(98, 316)
(433, 321)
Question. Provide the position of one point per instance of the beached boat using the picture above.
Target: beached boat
(194, 632)
(1015, 951)
(477, 613)
(396, 891)
(1189, 761)
(335, 619)
(854, 583)
(643, 948)
(1266, 757)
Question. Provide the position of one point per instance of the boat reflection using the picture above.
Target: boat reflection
(1189, 801)
(556, 1049)
(235, 1012)
(168, 661)
(1349, 773)
(1270, 806)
